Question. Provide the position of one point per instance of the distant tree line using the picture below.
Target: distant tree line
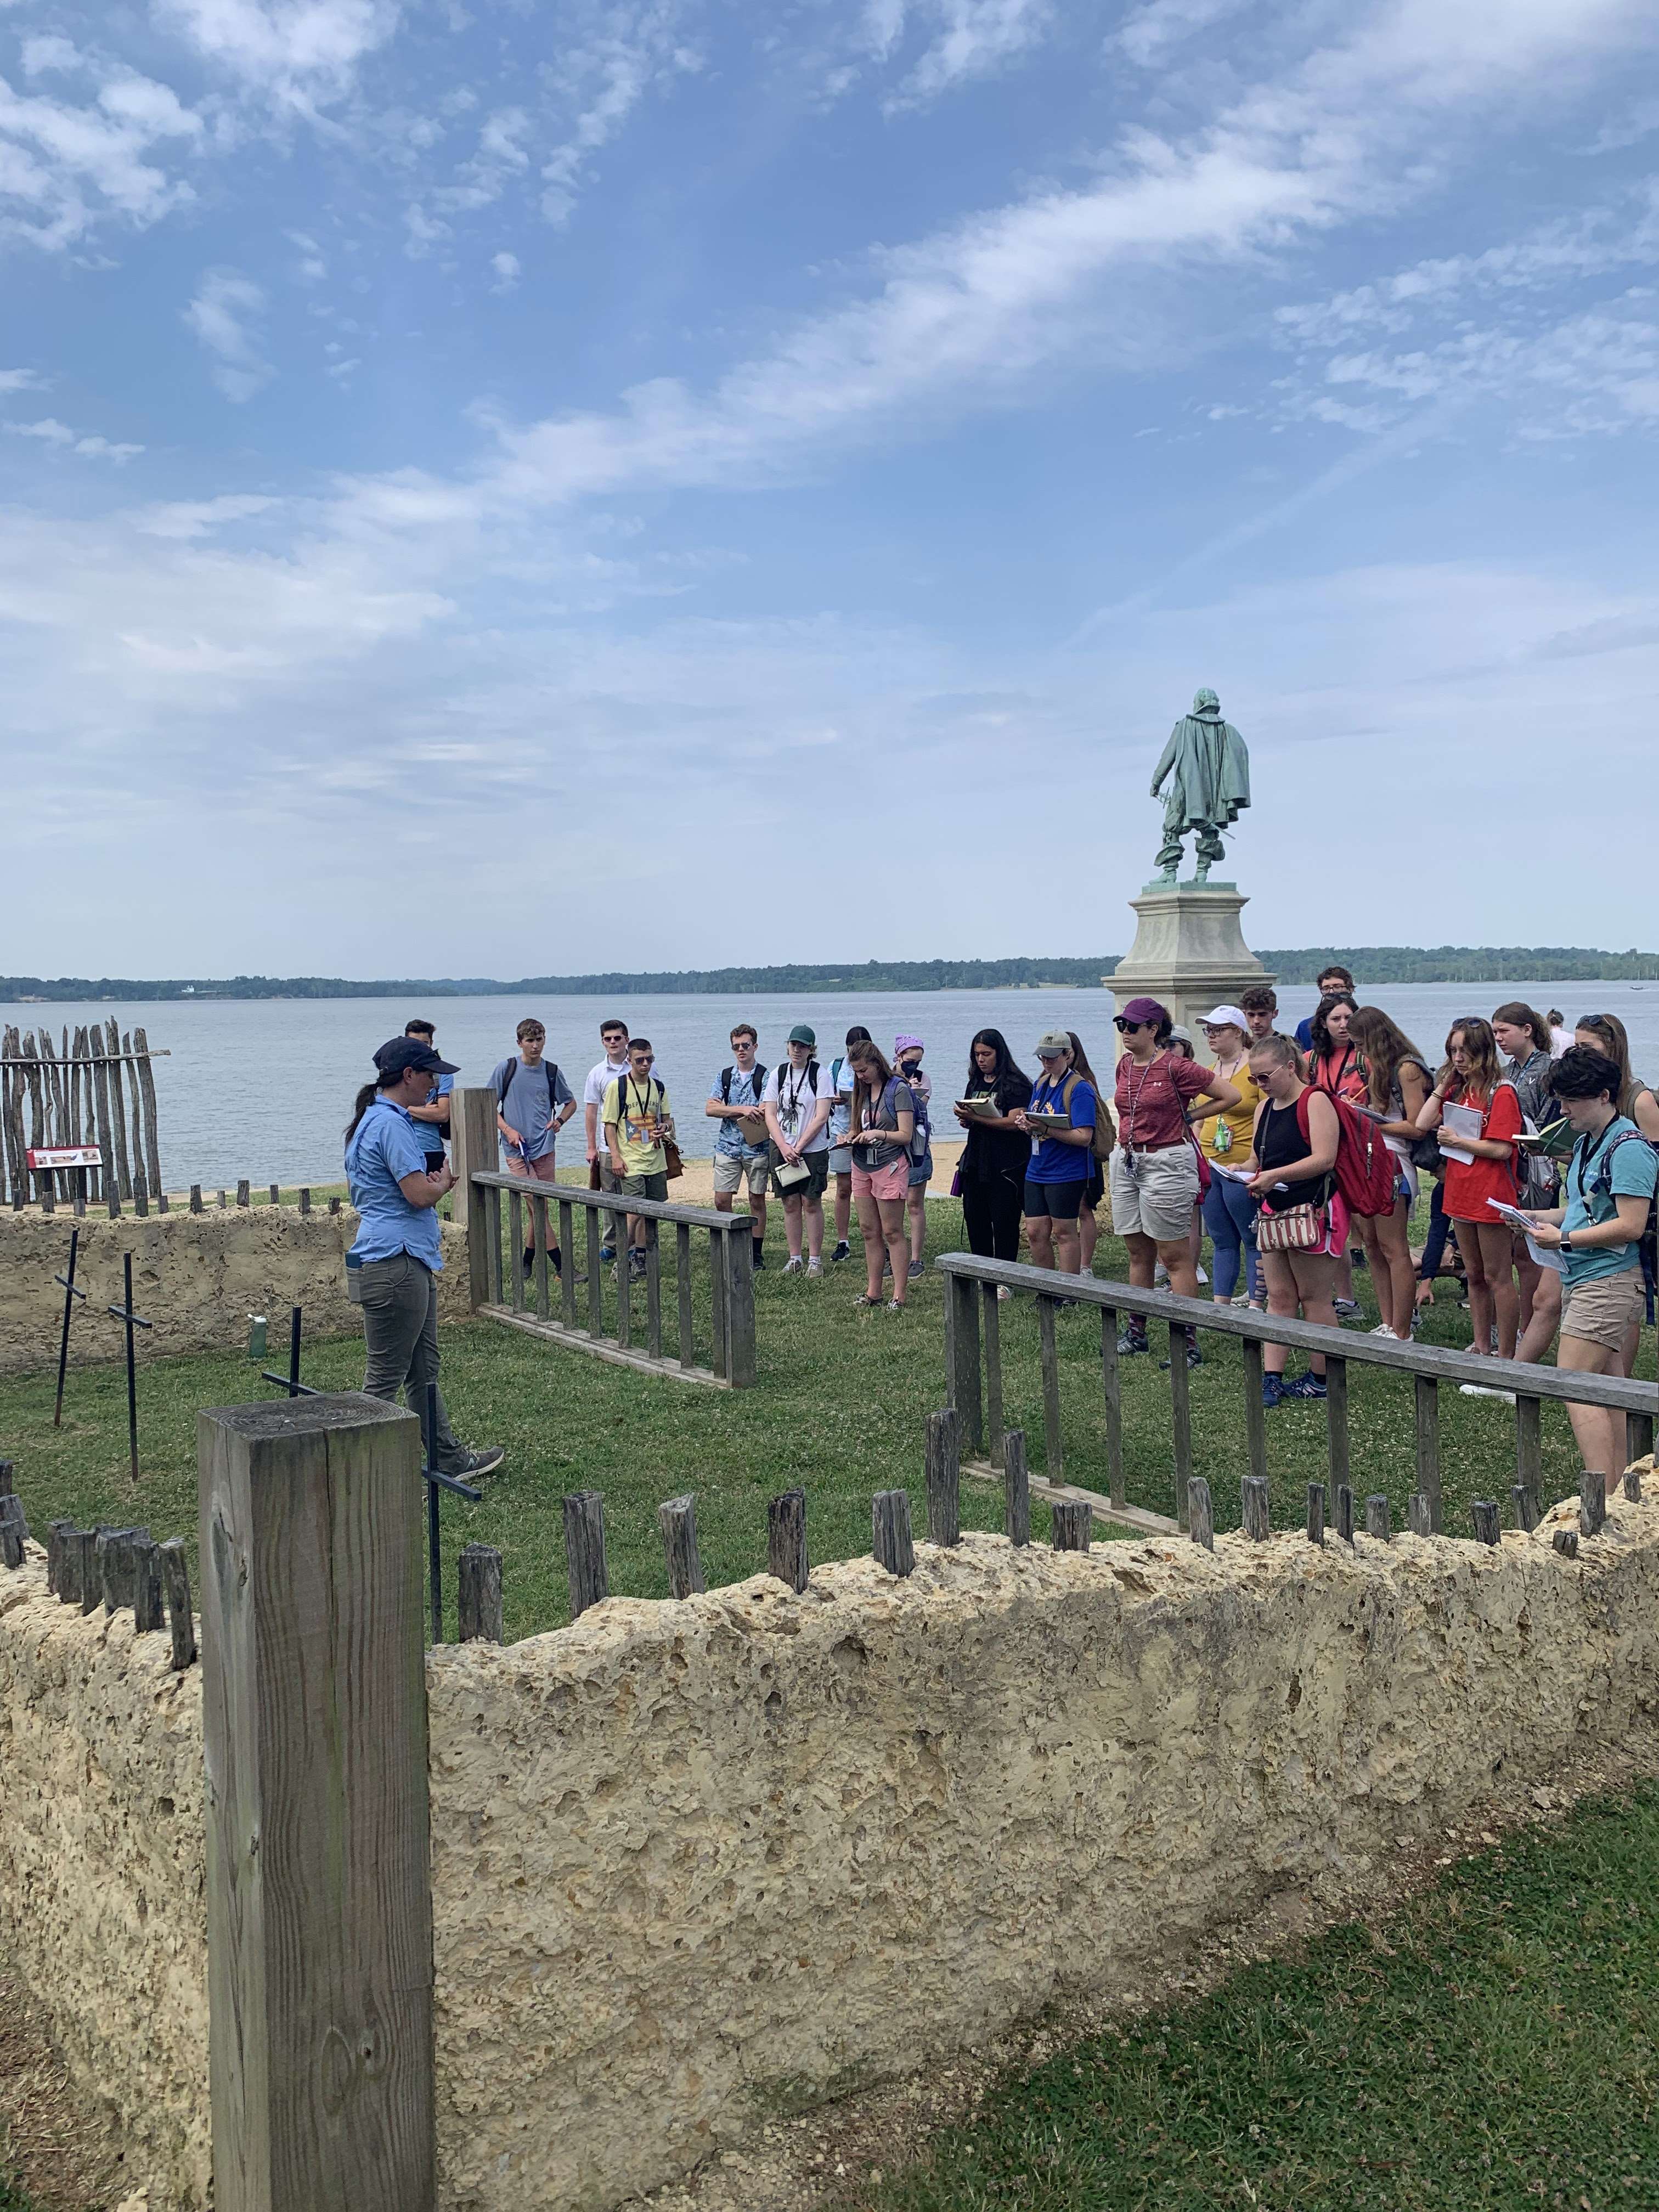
(1370, 963)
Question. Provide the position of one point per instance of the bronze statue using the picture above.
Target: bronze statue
(1209, 787)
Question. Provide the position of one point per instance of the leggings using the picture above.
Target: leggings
(991, 1215)
(1230, 1217)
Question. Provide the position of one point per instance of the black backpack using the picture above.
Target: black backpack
(808, 1074)
(1647, 1245)
(550, 1069)
(729, 1076)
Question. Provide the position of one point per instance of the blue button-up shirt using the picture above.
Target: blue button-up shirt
(386, 1147)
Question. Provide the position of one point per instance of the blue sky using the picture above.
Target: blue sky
(502, 489)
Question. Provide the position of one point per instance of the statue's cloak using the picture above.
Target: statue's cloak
(1211, 770)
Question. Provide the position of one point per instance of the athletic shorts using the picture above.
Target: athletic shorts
(1602, 1310)
(817, 1162)
(890, 1181)
(733, 1169)
(841, 1159)
(653, 1186)
(1061, 1201)
(1153, 1193)
(922, 1171)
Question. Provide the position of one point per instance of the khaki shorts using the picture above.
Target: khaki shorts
(653, 1184)
(1602, 1310)
(732, 1171)
(1153, 1193)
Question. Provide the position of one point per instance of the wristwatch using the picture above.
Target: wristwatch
(1565, 1244)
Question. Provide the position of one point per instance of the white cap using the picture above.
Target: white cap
(1222, 1016)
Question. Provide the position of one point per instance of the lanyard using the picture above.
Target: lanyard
(642, 1096)
(1134, 1090)
(797, 1076)
(1585, 1156)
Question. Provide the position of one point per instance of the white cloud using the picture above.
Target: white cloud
(64, 167)
(225, 315)
(21, 379)
(501, 156)
(51, 432)
(1147, 35)
(507, 270)
(187, 519)
(102, 449)
(973, 39)
(604, 71)
(295, 54)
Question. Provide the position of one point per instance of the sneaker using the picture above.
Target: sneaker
(887, 1263)
(1160, 1275)
(1346, 1308)
(1273, 1389)
(1202, 1277)
(1485, 1390)
(607, 1253)
(1131, 1340)
(1243, 1298)
(1194, 1358)
(479, 1462)
(896, 1305)
(918, 1266)
(815, 1267)
(529, 1261)
(794, 1265)
(1306, 1386)
(636, 1267)
(1384, 1331)
(1003, 1294)
(863, 1302)
(843, 1251)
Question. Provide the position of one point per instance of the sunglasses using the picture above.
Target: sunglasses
(1123, 1027)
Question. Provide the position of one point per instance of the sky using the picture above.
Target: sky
(511, 489)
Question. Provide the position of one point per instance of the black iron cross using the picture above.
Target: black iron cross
(71, 1292)
(124, 1313)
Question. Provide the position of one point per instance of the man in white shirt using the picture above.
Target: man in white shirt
(799, 1100)
(613, 1035)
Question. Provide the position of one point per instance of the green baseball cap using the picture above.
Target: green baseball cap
(801, 1034)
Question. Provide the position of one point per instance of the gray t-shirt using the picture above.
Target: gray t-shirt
(897, 1098)
(533, 1097)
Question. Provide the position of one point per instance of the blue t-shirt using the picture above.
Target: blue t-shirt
(387, 1146)
(748, 1090)
(533, 1097)
(1602, 1171)
(1051, 1161)
(1305, 1034)
(432, 1131)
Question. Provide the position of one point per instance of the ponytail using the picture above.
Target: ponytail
(366, 1098)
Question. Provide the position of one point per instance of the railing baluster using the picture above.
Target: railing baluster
(722, 1357)
(653, 1291)
(1336, 1421)
(1428, 1446)
(1016, 1490)
(1638, 1436)
(1530, 1450)
(740, 1366)
(1181, 1413)
(498, 1279)
(1053, 1461)
(595, 1272)
(994, 1430)
(515, 1241)
(1111, 1386)
(962, 1339)
(1255, 1414)
(538, 1220)
(624, 1286)
(567, 1263)
(683, 1290)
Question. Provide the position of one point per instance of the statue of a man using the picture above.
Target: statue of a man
(1209, 776)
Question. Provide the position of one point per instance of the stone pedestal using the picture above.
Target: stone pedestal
(1189, 952)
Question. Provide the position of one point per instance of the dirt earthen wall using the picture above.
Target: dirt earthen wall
(694, 1861)
(196, 1278)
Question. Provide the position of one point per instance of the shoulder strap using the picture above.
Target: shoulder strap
(550, 1067)
(726, 1074)
(507, 1081)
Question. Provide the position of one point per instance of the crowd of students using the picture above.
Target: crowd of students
(1297, 1156)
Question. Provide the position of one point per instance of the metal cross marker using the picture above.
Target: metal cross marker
(435, 1482)
(124, 1313)
(71, 1292)
(291, 1381)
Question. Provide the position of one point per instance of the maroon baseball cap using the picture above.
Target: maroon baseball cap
(1145, 1010)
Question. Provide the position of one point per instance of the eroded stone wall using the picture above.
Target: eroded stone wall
(694, 1861)
(196, 1277)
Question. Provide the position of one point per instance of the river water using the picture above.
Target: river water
(262, 1088)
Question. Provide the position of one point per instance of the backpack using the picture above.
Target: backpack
(1647, 1245)
(729, 1076)
(1365, 1168)
(808, 1075)
(1105, 1136)
(550, 1069)
(922, 1135)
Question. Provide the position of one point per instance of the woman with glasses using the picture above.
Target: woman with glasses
(1154, 1171)
(1229, 1209)
(1479, 1165)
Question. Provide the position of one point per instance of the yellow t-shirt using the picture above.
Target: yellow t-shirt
(1238, 1121)
(632, 1108)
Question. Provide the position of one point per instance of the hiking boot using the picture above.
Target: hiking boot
(1131, 1340)
(1306, 1386)
(1273, 1389)
(843, 1251)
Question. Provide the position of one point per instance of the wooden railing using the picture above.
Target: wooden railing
(570, 1308)
(974, 1383)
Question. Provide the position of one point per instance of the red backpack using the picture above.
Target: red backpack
(1366, 1171)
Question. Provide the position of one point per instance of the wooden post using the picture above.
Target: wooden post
(1181, 1414)
(478, 1594)
(8, 1478)
(304, 1199)
(1632, 1484)
(475, 1145)
(1070, 1522)
(1376, 1517)
(943, 1477)
(1483, 1512)
(677, 1519)
(1345, 1513)
(68, 1565)
(1592, 1503)
(318, 1880)
(1200, 1513)
(1566, 1541)
(1420, 1515)
(243, 1193)
(195, 1198)
(148, 1608)
(276, 1193)
(117, 1118)
(739, 1272)
(584, 1547)
(1526, 1509)
(333, 1203)
(962, 1361)
(1428, 1445)
(1016, 1490)
(1257, 1525)
(13, 1530)
(1316, 1513)
(175, 1580)
(114, 1553)
(1530, 1451)
(57, 1551)
(144, 1088)
(1255, 1414)
(889, 1531)
(786, 1538)
(1111, 1385)
(90, 1576)
(1337, 1449)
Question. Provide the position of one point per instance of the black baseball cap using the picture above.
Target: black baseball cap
(400, 1054)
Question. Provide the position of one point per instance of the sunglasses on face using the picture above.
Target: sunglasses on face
(1123, 1027)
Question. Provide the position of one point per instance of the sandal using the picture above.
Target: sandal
(864, 1301)
(896, 1305)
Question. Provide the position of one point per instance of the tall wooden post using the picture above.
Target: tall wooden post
(476, 1148)
(319, 1897)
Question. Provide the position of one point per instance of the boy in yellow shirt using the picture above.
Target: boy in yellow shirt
(636, 1120)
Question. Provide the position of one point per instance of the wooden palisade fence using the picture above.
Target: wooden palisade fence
(95, 1088)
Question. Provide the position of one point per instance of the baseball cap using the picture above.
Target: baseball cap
(1145, 1010)
(400, 1054)
(908, 1043)
(1052, 1043)
(1178, 1036)
(802, 1034)
(1224, 1016)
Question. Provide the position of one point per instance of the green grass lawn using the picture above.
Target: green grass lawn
(1493, 2043)
(840, 1407)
